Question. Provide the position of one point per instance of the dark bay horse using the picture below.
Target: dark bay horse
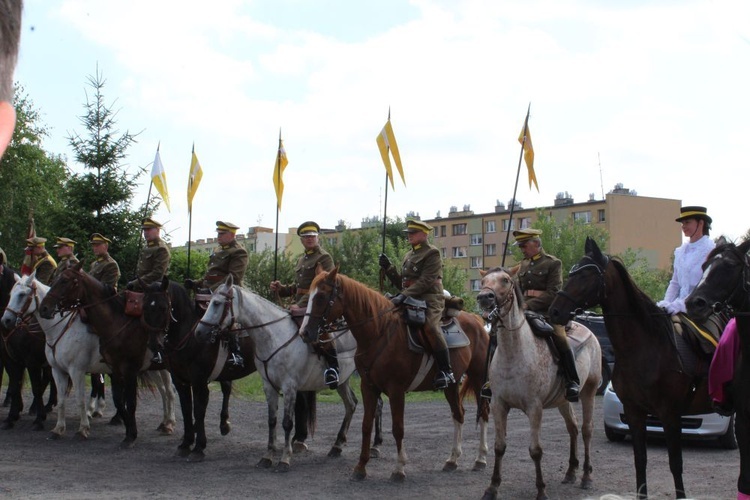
(725, 286)
(123, 339)
(650, 377)
(387, 365)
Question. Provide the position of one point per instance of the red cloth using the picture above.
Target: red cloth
(742, 496)
(722, 365)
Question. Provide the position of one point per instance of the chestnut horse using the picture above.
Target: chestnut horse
(387, 365)
(725, 286)
(123, 339)
(524, 375)
(650, 376)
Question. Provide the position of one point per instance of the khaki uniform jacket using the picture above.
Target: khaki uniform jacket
(45, 268)
(421, 277)
(304, 273)
(225, 260)
(65, 262)
(106, 270)
(540, 278)
(154, 262)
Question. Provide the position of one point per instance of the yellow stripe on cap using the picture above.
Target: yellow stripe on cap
(226, 226)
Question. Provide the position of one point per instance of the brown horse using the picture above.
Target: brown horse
(123, 339)
(387, 365)
(650, 376)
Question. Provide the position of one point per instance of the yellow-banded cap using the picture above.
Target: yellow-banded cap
(226, 226)
(64, 242)
(36, 241)
(97, 238)
(522, 235)
(308, 228)
(416, 225)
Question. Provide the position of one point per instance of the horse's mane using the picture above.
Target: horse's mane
(361, 297)
(740, 249)
(643, 308)
(260, 298)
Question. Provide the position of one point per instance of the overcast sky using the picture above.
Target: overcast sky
(650, 94)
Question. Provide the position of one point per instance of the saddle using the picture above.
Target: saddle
(453, 334)
(696, 343)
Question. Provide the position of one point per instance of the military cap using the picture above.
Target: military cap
(36, 241)
(97, 238)
(523, 235)
(694, 212)
(62, 242)
(226, 226)
(415, 225)
(308, 228)
(148, 223)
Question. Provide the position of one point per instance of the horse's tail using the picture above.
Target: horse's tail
(472, 387)
(307, 402)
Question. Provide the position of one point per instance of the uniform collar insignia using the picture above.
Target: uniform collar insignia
(417, 247)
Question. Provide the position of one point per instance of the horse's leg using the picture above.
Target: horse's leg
(49, 380)
(535, 448)
(350, 404)
(38, 386)
(96, 400)
(369, 402)
(587, 396)
(378, 440)
(397, 401)
(300, 422)
(287, 423)
(225, 426)
(131, 403)
(272, 399)
(118, 398)
(15, 385)
(571, 424)
(672, 432)
(500, 416)
(164, 384)
(78, 377)
(62, 381)
(186, 405)
(637, 424)
(201, 396)
(742, 431)
(457, 411)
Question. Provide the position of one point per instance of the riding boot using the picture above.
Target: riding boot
(486, 391)
(444, 375)
(331, 375)
(573, 384)
(235, 355)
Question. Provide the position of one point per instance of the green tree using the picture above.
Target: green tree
(178, 265)
(99, 199)
(260, 271)
(31, 179)
(653, 282)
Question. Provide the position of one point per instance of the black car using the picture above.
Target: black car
(595, 323)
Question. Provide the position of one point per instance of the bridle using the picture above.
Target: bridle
(23, 311)
(502, 308)
(588, 263)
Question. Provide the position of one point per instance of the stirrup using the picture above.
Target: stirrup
(157, 359)
(331, 378)
(571, 392)
(485, 392)
(442, 379)
(236, 360)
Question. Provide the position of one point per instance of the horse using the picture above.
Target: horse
(72, 351)
(22, 348)
(123, 339)
(650, 376)
(725, 286)
(524, 375)
(387, 365)
(285, 362)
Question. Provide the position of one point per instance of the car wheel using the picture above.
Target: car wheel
(613, 435)
(728, 440)
(606, 377)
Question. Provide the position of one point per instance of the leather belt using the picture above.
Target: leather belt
(534, 293)
(407, 283)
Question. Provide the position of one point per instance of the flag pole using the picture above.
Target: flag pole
(276, 232)
(190, 214)
(515, 187)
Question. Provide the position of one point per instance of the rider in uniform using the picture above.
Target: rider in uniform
(421, 277)
(229, 258)
(42, 263)
(64, 247)
(540, 277)
(104, 268)
(304, 273)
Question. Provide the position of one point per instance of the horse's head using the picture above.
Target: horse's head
(66, 292)
(725, 283)
(324, 305)
(585, 285)
(497, 292)
(157, 306)
(23, 301)
(219, 314)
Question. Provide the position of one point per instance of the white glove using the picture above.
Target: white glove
(662, 303)
(676, 306)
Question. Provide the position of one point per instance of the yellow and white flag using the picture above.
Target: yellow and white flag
(159, 179)
(387, 142)
(278, 173)
(196, 174)
(528, 153)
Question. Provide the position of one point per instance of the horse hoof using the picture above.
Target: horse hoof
(196, 456)
(479, 466)
(54, 436)
(299, 447)
(81, 436)
(586, 484)
(374, 453)
(398, 477)
(358, 475)
(162, 427)
(265, 463)
(97, 414)
(116, 420)
(166, 429)
(489, 495)
(225, 428)
(569, 479)
(282, 467)
(37, 426)
(127, 444)
(182, 452)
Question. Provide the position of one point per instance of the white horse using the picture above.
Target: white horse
(524, 375)
(284, 361)
(72, 351)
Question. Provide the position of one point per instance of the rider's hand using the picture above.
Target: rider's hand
(131, 285)
(398, 299)
(275, 286)
(384, 262)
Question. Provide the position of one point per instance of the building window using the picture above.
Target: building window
(443, 252)
(600, 215)
(524, 222)
(475, 285)
(459, 252)
(506, 249)
(490, 249)
(442, 231)
(459, 229)
(507, 224)
(475, 239)
(582, 216)
(489, 226)
(476, 262)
